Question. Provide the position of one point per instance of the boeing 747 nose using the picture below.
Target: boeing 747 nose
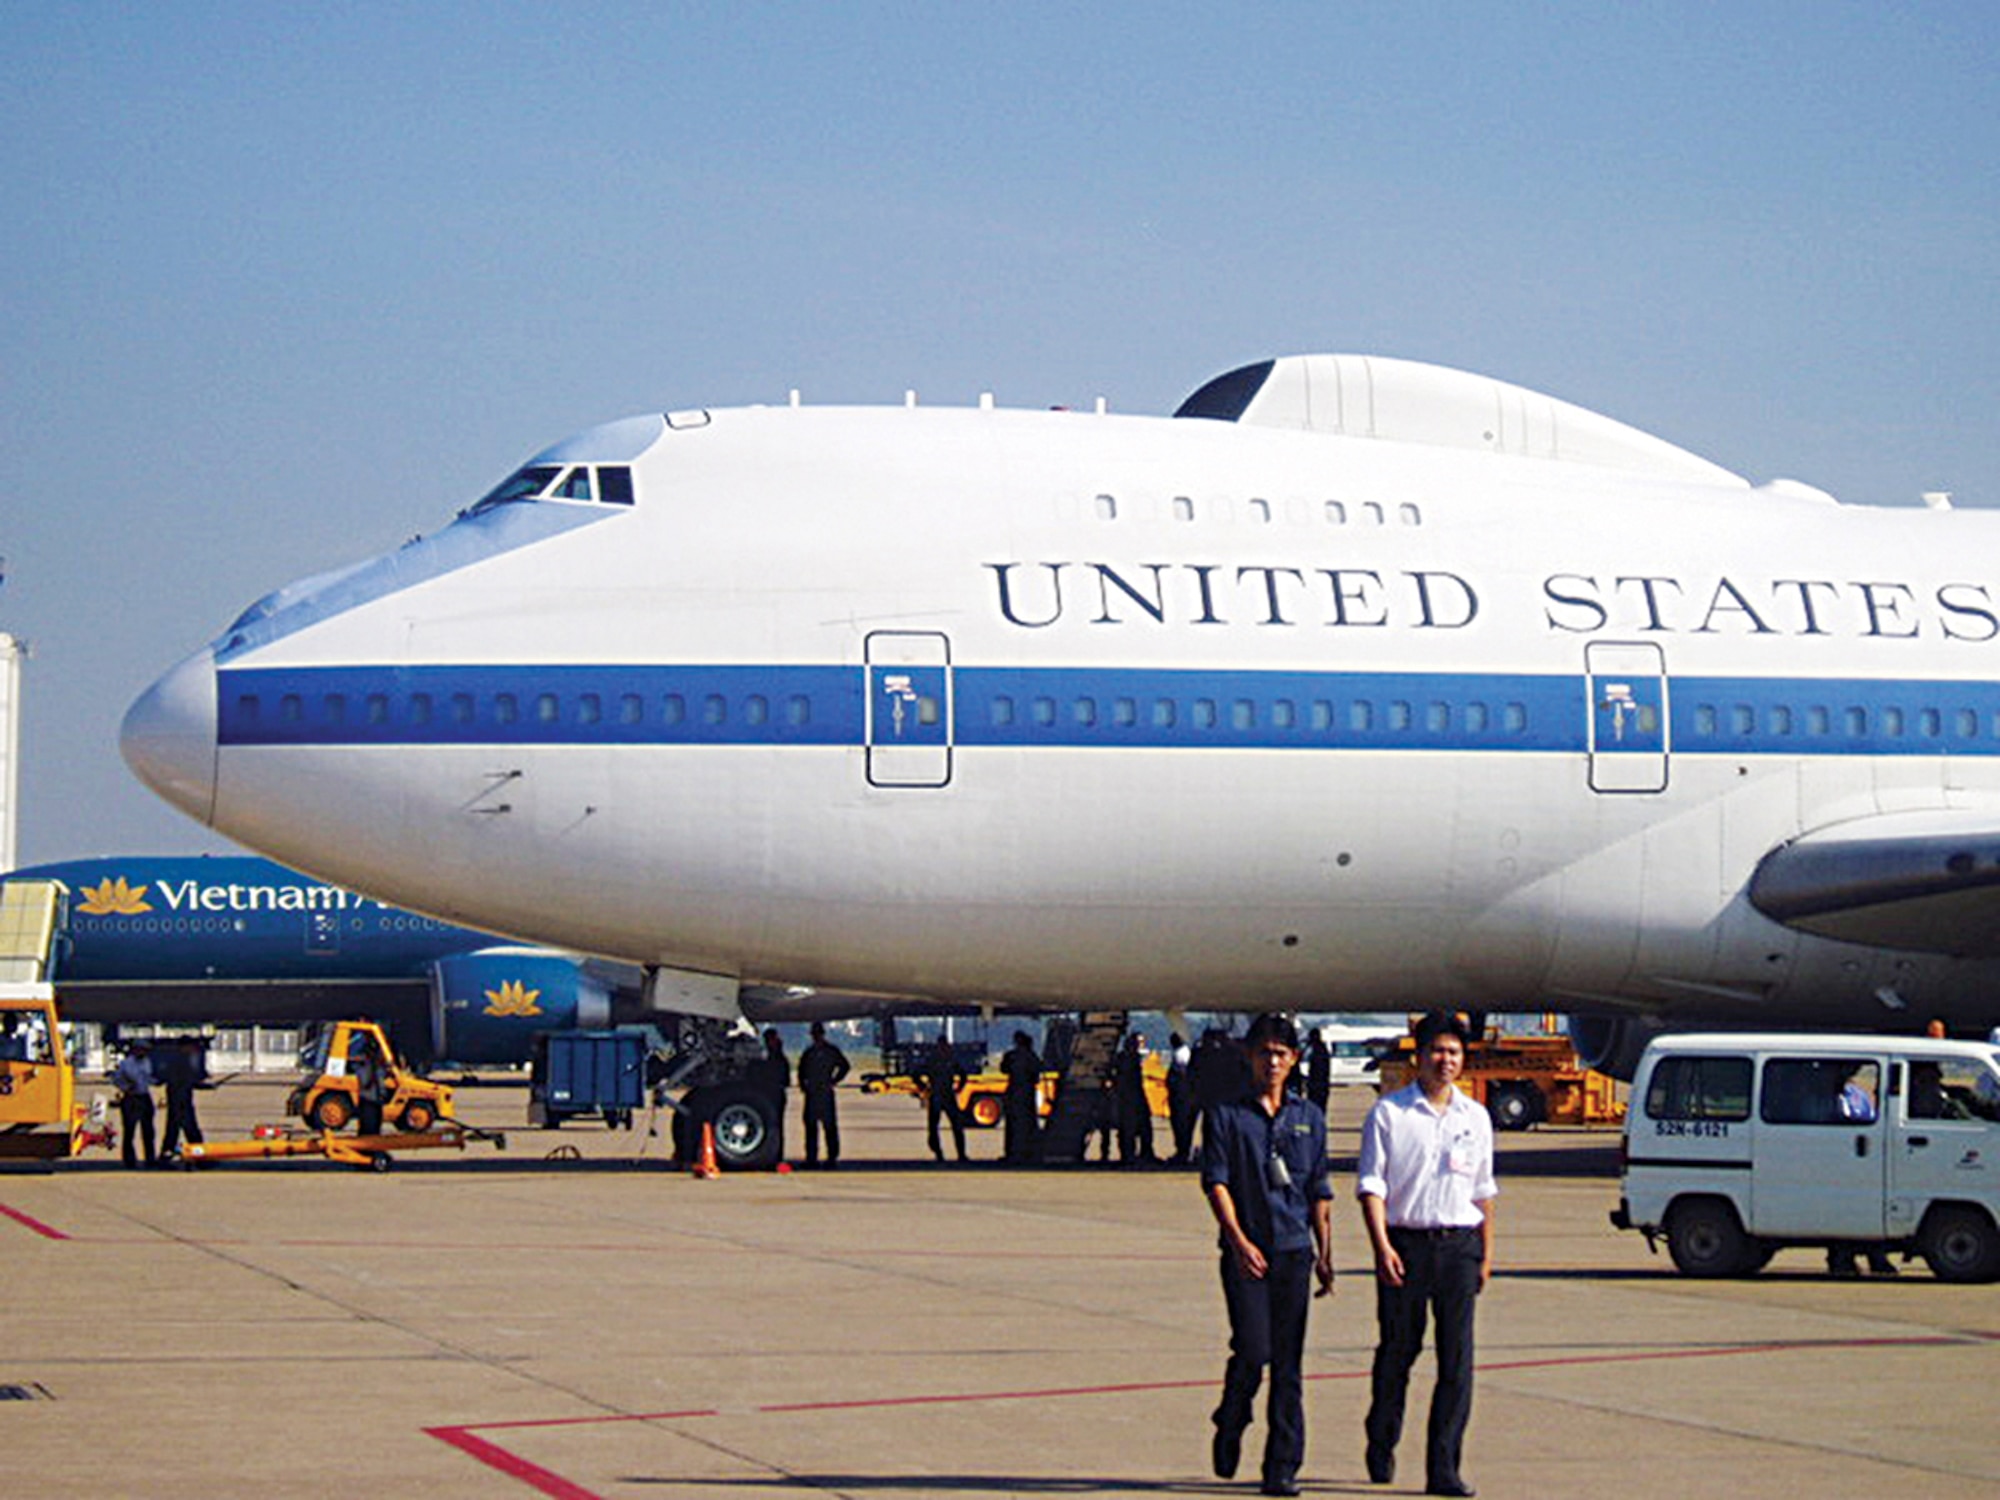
(168, 738)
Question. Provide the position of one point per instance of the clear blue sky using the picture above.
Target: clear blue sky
(286, 284)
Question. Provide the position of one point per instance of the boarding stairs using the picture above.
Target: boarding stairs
(1093, 1063)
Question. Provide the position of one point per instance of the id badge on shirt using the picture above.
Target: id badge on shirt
(1461, 1154)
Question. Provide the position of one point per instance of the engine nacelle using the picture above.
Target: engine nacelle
(1613, 1044)
(487, 1006)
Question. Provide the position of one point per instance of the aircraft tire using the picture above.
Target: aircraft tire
(746, 1127)
(1960, 1244)
(1706, 1239)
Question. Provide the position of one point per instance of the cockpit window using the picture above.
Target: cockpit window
(610, 484)
(528, 483)
(1227, 397)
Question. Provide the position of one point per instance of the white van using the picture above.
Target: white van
(1739, 1144)
(1355, 1051)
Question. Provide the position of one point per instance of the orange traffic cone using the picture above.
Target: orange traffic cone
(704, 1164)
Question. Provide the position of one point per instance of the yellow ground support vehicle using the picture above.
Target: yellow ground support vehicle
(1522, 1080)
(329, 1098)
(982, 1097)
(40, 1119)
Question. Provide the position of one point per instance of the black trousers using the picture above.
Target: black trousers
(1019, 1114)
(945, 1105)
(181, 1121)
(135, 1114)
(1267, 1326)
(1441, 1280)
(821, 1115)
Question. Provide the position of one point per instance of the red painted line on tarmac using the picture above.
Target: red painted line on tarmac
(495, 1457)
(31, 1222)
(603, 1419)
(551, 1483)
(1043, 1395)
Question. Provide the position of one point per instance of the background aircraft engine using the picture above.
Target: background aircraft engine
(1612, 1044)
(485, 1006)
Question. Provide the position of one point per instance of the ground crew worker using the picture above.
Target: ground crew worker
(1135, 1111)
(821, 1067)
(942, 1079)
(133, 1079)
(1426, 1186)
(1318, 1068)
(1180, 1098)
(1021, 1104)
(1263, 1167)
(371, 1090)
(181, 1071)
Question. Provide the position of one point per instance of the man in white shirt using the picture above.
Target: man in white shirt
(1426, 1185)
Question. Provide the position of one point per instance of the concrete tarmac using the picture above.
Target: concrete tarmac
(508, 1324)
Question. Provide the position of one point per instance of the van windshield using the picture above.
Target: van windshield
(1953, 1088)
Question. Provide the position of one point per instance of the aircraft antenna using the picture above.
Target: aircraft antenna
(1937, 499)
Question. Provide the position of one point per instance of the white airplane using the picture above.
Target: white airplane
(1359, 684)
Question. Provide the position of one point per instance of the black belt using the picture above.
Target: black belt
(1433, 1234)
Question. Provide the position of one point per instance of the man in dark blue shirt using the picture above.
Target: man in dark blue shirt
(1263, 1167)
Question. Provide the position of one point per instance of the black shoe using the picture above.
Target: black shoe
(1381, 1465)
(1225, 1451)
(1279, 1484)
(1449, 1487)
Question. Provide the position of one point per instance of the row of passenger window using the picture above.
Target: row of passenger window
(422, 709)
(1262, 512)
(1741, 720)
(1318, 715)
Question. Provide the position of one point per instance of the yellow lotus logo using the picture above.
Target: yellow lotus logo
(513, 998)
(114, 898)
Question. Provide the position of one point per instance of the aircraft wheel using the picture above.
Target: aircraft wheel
(984, 1111)
(418, 1116)
(746, 1127)
(1705, 1238)
(330, 1111)
(1512, 1106)
(1960, 1244)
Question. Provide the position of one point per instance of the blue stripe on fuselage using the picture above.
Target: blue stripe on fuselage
(1079, 707)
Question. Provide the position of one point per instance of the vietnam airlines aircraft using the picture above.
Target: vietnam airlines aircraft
(236, 940)
(1357, 684)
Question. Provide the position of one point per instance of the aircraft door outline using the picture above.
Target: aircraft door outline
(1625, 688)
(323, 933)
(908, 694)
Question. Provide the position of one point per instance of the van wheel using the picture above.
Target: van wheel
(1960, 1244)
(1705, 1238)
(1512, 1106)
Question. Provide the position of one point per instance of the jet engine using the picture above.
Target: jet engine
(486, 1006)
(1613, 1044)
